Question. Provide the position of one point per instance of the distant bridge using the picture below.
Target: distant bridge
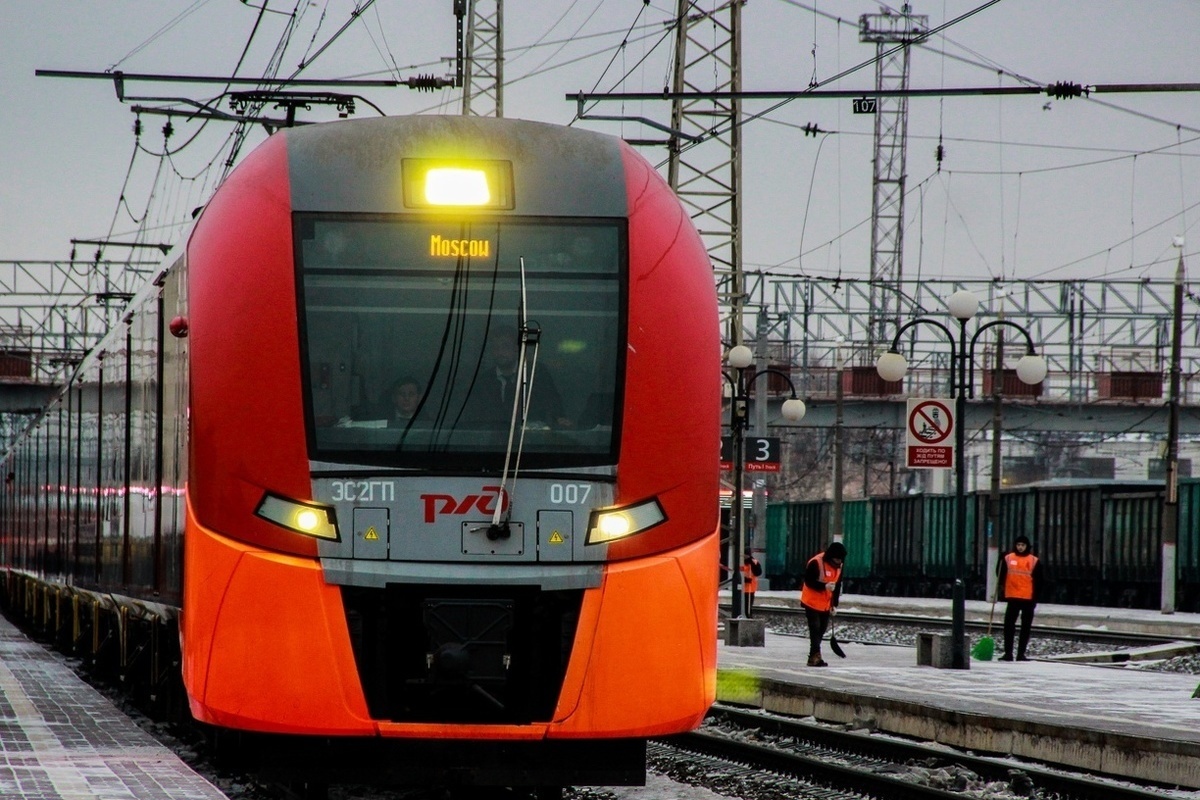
(1019, 416)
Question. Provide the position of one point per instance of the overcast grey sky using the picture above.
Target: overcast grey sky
(1030, 187)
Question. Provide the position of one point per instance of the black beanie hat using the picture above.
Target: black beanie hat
(1022, 538)
(836, 550)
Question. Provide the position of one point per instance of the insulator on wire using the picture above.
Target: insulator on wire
(425, 83)
(1063, 90)
(168, 129)
(137, 127)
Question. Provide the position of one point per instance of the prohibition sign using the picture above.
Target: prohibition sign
(930, 422)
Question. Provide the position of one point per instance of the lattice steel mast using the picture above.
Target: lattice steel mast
(891, 136)
(483, 78)
(708, 177)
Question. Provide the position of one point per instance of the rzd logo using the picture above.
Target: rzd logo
(442, 504)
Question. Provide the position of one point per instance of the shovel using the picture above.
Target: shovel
(986, 647)
(833, 642)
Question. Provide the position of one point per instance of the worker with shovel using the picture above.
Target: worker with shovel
(819, 594)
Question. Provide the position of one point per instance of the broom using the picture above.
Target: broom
(833, 642)
(985, 648)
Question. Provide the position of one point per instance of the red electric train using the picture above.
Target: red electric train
(417, 445)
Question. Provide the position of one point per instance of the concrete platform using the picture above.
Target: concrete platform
(62, 740)
(1117, 720)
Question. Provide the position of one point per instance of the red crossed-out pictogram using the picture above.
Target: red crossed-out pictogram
(931, 422)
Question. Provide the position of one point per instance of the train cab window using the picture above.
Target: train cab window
(443, 344)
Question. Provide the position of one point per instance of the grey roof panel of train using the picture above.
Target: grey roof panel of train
(356, 167)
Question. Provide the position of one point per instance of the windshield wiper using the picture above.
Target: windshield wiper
(530, 335)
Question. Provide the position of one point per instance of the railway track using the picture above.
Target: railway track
(761, 767)
(846, 618)
(843, 764)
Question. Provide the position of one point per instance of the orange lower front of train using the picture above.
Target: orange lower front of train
(266, 648)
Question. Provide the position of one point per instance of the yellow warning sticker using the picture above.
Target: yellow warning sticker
(371, 535)
(556, 538)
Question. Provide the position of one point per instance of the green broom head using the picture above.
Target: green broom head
(984, 649)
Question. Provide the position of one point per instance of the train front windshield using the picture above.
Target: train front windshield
(447, 344)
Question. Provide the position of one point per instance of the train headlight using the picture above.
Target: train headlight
(310, 519)
(470, 184)
(610, 524)
(450, 186)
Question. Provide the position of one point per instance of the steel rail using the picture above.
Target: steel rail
(915, 621)
(819, 770)
(1000, 768)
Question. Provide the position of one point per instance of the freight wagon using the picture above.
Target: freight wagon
(1101, 541)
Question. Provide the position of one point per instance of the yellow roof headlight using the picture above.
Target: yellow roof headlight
(432, 183)
(451, 186)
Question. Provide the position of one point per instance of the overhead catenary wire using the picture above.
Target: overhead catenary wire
(1018, 173)
(234, 140)
(178, 18)
(721, 130)
(1179, 161)
(1090, 97)
(799, 5)
(1001, 72)
(770, 270)
(1160, 150)
(1000, 160)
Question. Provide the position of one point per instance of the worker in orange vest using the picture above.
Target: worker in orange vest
(751, 569)
(819, 594)
(1020, 579)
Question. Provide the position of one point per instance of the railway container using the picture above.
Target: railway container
(1102, 542)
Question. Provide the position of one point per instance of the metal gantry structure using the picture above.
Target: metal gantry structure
(704, 164)
(1084, 327)
(52, 312)
(891, 34)
(483, 61)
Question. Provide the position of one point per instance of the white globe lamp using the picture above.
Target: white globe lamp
(739, 357)
(1031, 369)
(962, 305)
(891, 366)
(794, 409)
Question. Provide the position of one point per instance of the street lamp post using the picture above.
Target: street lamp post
(740, 359)
(1170, 515)
(1031, 369)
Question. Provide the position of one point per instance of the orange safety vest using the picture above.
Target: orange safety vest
(749, 579)
(822, 599)
(1018, 576)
